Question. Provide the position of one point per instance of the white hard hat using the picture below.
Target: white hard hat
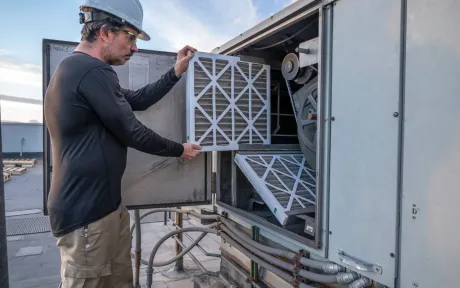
(127, 11)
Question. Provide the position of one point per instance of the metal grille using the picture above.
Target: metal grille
(228, 102)
(21, 226)
(285, 182)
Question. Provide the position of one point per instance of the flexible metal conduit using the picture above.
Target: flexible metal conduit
(273, 260)
(337, 278)
(138, 232)
(151, 264)
(249, 241)
(189, 212)
(361, 283)
(190, 254)
(327, 267)
(206, 253)
(280, 273)
(285, 276)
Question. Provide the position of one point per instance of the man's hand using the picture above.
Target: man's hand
(183, 58)
(190, 151)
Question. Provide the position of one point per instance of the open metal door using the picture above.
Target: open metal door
(149, 181)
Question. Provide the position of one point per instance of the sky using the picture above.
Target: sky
(171, 24)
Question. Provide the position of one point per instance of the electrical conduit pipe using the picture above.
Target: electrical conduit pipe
(327, 267)
(151, 264)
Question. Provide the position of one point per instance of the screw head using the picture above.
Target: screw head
(415, 284)
(392, 255)
(395, 114)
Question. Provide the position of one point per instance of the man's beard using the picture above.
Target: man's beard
(117, 61)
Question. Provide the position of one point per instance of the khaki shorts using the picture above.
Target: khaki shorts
(99, 254)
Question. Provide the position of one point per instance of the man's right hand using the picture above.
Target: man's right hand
(190, 151)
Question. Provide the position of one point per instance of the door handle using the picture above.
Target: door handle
(358, 264)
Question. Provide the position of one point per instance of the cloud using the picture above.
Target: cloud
(204, 25)
(20, 80)
(24, 74)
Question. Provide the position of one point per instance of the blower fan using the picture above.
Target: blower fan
(304, 104)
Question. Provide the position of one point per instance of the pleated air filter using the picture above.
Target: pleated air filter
(228, 102)
(285, 182)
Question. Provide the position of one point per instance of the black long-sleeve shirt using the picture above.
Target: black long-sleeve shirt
(91, 123)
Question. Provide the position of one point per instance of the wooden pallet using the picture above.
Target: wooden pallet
(6, 176)
(15, 170)
(19, 162)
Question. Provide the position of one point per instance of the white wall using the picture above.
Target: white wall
(13, 133)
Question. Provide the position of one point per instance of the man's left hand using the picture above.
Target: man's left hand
(183, 58)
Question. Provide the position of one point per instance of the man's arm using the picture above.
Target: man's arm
(101, 90)
(150, 94)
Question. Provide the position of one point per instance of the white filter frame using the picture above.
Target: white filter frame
(296, 170)
(233, 116)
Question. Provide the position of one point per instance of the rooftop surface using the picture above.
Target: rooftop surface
(34, 259)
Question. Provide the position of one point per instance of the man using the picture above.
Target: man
(91, 123)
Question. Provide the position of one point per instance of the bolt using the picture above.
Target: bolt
(332, 118)
(415, 284)
(392, 255)
(395, 114)
(330, 232)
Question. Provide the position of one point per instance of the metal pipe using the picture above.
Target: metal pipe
(273, 260)
(151, 264)
(285, 276)
(182, 253)
(206, 253)
(137, 257)
(243, 272)
(339, 278)
(22, 145)
(324, 266)
(234, 181)
(278, 252)
(178, 241)
(179, 265)
(188, 212)
(361, 283)
(227, 283)
(327, 267)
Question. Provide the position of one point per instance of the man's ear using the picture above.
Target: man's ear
(105, 34)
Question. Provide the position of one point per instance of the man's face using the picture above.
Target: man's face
(122, 46)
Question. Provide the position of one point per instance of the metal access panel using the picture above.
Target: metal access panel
(149, 181)
(430, 242)
(284, 181)
(364, 137)
(228, 102)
